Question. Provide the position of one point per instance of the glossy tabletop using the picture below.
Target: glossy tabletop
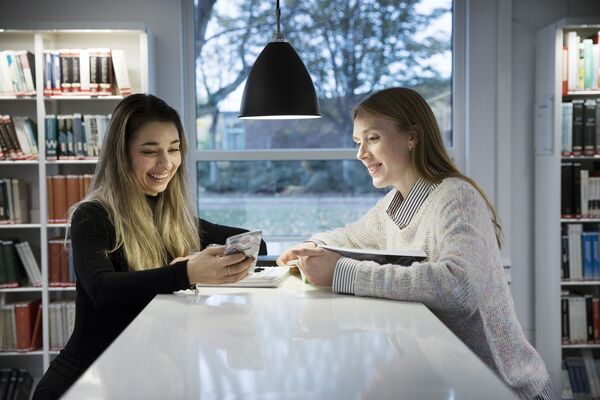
(293, 342)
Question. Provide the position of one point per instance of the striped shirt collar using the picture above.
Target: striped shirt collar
(402, 210)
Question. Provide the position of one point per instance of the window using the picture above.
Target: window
(293, 178)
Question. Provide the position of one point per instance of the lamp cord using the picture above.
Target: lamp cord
(278, 35)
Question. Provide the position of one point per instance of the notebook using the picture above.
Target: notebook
(399, 257)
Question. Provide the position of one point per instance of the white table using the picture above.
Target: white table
(293, 342)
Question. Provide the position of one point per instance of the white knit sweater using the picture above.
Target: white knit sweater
(462, 280)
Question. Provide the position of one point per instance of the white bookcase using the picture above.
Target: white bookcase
(547, 215)
(136, 45)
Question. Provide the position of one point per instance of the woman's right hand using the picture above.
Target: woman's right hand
(288, 255)
(212, 267)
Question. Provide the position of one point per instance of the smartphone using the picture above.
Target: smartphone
(247, 243)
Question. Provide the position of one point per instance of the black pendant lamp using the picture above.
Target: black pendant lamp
(279, 85)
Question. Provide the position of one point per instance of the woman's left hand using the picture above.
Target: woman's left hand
(317, 264)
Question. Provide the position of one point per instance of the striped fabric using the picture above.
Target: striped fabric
(344, 275)
(402, 210)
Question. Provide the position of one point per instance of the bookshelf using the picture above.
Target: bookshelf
(548, 223)
(136, 45)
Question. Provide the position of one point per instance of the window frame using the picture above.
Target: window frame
(459, 91)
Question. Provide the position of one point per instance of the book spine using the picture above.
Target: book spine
(48, 67)
(57, 74)
(565, 319)
(567, 208)
(577, 188)
(51, 137)
(59, 198)
(567, 129)
(577, 127)
(589, 127)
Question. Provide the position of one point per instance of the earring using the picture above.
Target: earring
(410, 148)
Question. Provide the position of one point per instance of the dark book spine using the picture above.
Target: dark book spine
(589, 319)
(4, 377)
(51, 139)
(589, 127)
(12, 383)
(564, 303)
(566, 190)
(577, 127)
(3, 202)
(564, 248)
(63, 152)
(78, 136)
(70, 139)
(577, 189)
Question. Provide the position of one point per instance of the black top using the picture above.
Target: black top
(109, 295)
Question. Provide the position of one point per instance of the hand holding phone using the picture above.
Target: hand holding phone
(247, 243)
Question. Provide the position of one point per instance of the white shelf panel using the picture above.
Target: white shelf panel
(20, 226)
(58, 225)
(581, 346)
(17, 97)
(584, 93)
(578, 220)
(62, 289)
(580, 158)
(21, 290)
(76, 162)
(24, 353)
(580, 283)
(27, 162)
(82, 97)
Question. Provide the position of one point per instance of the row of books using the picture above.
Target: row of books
(18, 265)
(581, 66)
(21, 326)
(15, 384)
(62, 321)
(86, 72)
(17, 73)
(580, 191)
(580, 318)
(60, 263)
(14, 201)
(63, 192)
(580, 129)
(580, 250)
(75, 137)
(18, 138)
(20, 268)
(581, 377)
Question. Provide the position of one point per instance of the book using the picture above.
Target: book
(120, 70)
(268, 277)
(25, 316)
(399, 257)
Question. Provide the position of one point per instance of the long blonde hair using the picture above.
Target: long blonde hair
(148, 240)
(429, 159)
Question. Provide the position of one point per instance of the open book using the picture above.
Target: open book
(399, 257)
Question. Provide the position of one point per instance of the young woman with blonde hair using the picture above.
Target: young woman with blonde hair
(433, 207)
(135, 235)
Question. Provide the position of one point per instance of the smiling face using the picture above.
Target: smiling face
(155, 156)
(382, 148)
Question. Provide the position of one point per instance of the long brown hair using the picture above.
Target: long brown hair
(148, 240)
(429, 158)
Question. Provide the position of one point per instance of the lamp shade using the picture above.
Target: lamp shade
(279, 86)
